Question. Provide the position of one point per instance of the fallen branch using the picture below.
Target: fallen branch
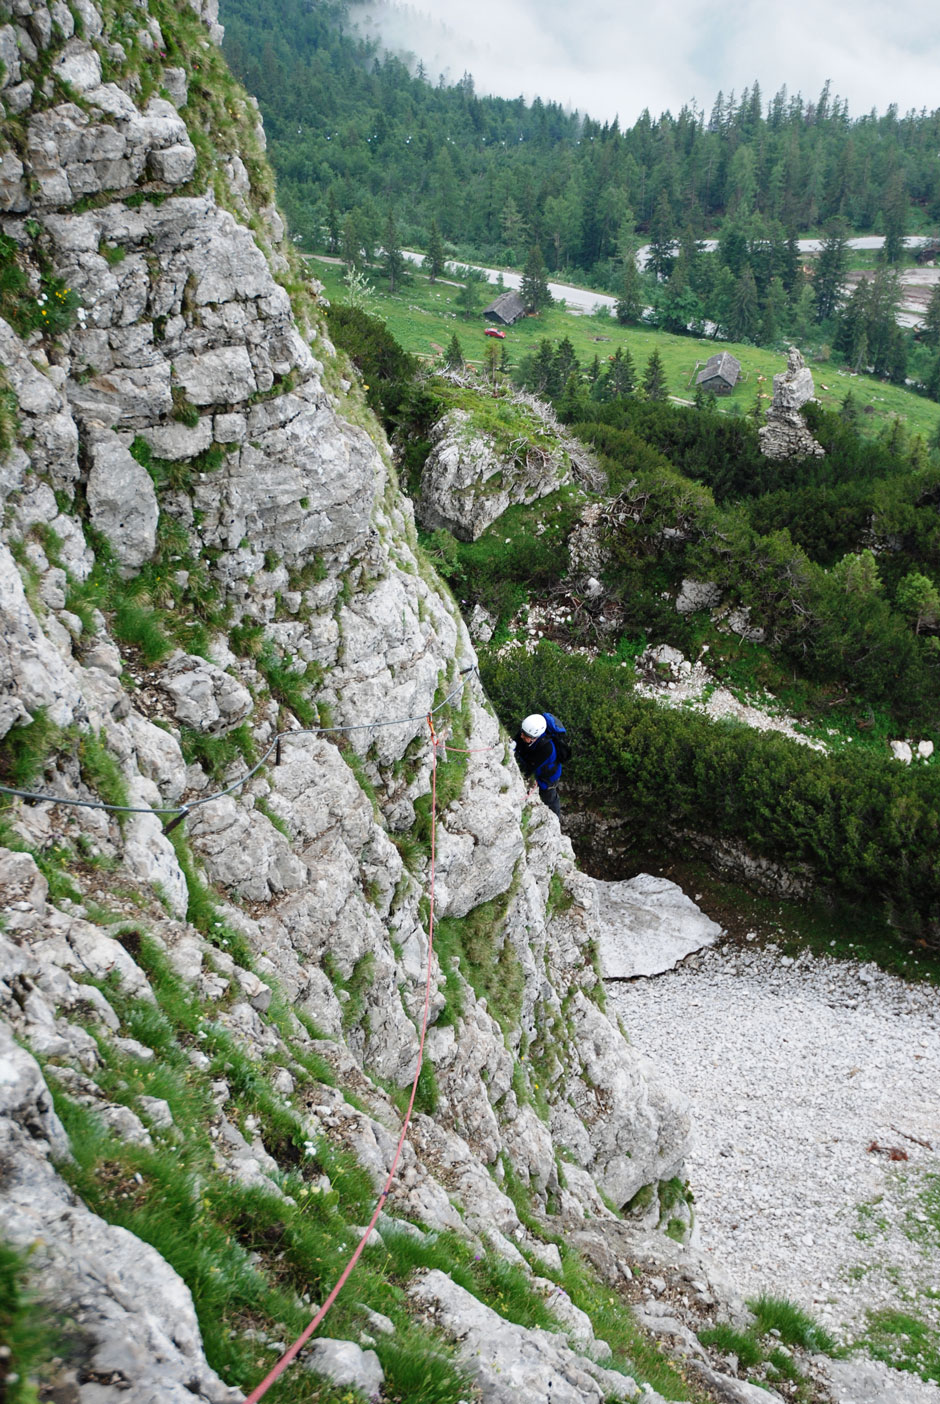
(915, 1139)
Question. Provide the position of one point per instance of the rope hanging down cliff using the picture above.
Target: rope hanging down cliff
(293, 1350)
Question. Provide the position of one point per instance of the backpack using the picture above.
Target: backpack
(559, 737)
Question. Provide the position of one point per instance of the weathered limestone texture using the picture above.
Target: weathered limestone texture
(648, 926)
(785, 434)
(469, 480)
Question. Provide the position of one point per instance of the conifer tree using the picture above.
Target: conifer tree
(534, 289)
(849, 410)
(468, 299)
(661, 254)
(654, 378)
(629, 308)
(621, 374)
(453, 356)
(930, 331)
(543, 370)
(351, 246)
(434, 259)
(745, 310)
(565, 361)
(392, 256)
(332, 222)
(829, 277)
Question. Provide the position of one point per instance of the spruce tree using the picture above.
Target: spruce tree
(661, 251)
(351, 246)
(565, 361)
(629, 308)
(621, 374)
(745, 309)
(434, 258)
(534, 289)
(829, 277)
(654, 378)
(468, 299)
(332, 222)
(930, 331)
(453, 356)
(392, 256)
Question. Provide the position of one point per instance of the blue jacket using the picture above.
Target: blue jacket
(538, 759)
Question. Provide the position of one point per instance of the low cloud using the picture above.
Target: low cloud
(609, 62)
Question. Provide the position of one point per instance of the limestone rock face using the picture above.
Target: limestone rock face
(469, 479)
(121, 500)
(183, 416)
(204, 696)
(785, 434)
(138, 1324)
(33, 673)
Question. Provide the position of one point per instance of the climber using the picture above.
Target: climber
(537, 757)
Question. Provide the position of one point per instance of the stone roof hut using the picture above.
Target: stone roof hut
(720, 374)
(507, 308)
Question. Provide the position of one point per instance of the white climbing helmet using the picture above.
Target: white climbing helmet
(534, 725)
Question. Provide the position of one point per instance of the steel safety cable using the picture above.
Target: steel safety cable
(182, 810)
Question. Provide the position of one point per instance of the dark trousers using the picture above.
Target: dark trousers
(549, 796)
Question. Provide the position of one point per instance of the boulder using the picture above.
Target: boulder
(697, 594)
(346, 1363)
(648, 925)
(469, 479)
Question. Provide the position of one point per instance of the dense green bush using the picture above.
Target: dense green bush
(867, 826)
(387, 370)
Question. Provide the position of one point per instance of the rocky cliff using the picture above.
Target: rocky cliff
(274, 771)
(215, 1022)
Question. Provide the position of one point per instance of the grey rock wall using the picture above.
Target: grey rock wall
(185, 354)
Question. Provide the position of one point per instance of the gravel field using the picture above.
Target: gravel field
(815, 1088)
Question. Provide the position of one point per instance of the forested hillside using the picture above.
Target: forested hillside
(497, 174)
(357, 141)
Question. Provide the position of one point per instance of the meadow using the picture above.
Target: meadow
(423, 316)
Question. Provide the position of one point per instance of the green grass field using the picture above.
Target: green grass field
(423, 316)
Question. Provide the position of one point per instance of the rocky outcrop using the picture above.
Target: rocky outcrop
(468, 479)
(512, 1365)
(785, 434)
(480, 464)
(179, 455)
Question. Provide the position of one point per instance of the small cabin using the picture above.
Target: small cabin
(507, 308)
(720, 374)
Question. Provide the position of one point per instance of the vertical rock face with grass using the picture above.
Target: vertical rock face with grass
(201, 549)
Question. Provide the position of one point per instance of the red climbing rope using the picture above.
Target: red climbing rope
(260, 1390)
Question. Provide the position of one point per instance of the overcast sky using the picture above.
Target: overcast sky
(610, 59)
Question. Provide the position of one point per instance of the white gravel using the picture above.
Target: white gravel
(796, 1071)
